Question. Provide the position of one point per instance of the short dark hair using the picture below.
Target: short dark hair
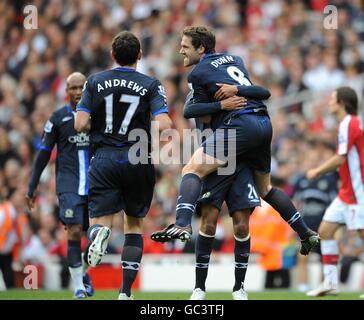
(201, 37)
(125, 47)
(348, 97)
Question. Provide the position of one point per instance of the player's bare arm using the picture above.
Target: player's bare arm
(82, 121)
(164, 121)
(330, 165)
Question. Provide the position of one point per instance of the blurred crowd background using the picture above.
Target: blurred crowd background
(283, 43)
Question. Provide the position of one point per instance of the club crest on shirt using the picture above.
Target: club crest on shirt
(206, 195)
(69, 213)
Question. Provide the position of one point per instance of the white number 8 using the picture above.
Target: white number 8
(238, 75)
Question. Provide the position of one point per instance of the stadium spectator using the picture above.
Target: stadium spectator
(8, 239)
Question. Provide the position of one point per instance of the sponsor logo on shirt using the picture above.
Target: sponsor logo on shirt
(82, 139)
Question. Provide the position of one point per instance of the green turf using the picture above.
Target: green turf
(112, 295)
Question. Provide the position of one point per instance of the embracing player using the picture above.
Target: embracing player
(243, 135)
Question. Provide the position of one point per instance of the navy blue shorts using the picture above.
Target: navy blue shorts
(246, 138)
(237, 190)
(73, 209)
(115, 184)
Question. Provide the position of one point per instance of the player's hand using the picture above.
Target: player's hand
(30, 202)
(233, 103)
(312, 174)
(225, 91)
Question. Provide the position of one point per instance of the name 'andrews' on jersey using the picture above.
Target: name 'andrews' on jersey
(220, 68)
(120, 100)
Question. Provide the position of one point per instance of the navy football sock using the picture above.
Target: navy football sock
(241, 252)
(189, 192)
(130, 258)
(75, 263)
(92, 232)
(284, 206)
(203, 252)
(74, 253)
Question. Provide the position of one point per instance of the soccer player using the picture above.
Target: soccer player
(115, 104)
(239, 192)
(71, 178)
(348, 207)
(219, 76)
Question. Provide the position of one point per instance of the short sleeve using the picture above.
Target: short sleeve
(85, 103)
(50, 134)
(343, 137)
(158, 99)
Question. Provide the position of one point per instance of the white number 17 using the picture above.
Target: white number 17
(127, 98)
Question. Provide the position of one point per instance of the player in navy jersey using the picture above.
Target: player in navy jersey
(71, 178)
(117, 105)
(313, 198)
(237, 190)
(241, 135)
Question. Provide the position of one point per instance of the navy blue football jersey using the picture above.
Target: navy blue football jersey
(120, 100)
(72, 151)
(220, 68)
(315, 196)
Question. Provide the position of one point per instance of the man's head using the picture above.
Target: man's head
(75, 83)
(344, 100)
(196, 41)
(125, 48)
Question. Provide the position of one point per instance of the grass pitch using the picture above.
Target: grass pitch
(113, 294)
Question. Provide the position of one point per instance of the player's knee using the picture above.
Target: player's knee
(193, 168)
(208, 227)
(241, 229)
(133, 225)
(264, 189)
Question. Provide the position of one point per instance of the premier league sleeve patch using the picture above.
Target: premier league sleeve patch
(48, 126)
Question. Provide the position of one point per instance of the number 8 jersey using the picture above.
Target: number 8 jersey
(220, 68)
(120, 100)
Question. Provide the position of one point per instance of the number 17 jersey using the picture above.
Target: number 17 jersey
(120, 100)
